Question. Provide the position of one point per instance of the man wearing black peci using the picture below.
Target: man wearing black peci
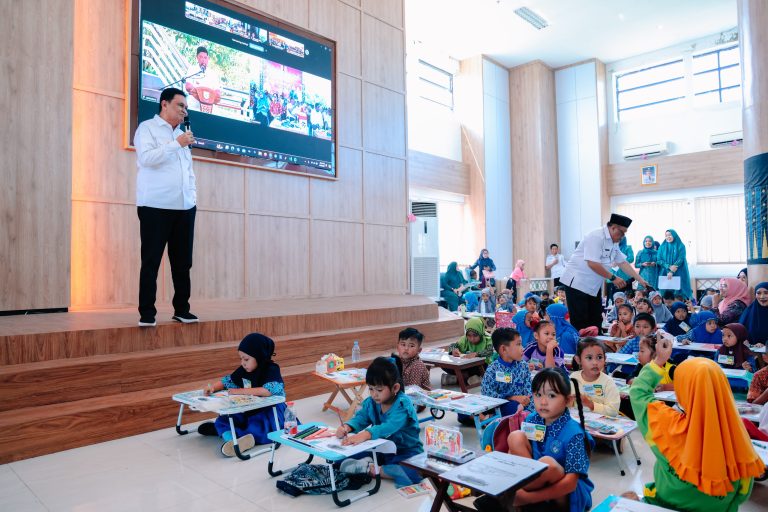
(165, 198)
(590, 266)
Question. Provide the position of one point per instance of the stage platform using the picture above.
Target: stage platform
(78, 378)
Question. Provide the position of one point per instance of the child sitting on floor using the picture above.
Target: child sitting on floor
(508, 376)
(758, 389)
(474, 343)
(560, 295)
(524, 323)
(567, 335)
(388, 413)
(644, 356)
(545, 353)
(565, 447)
(643, 305)
(619, 298)
(487, 304)
(623, 326)
(599, 392)
(679, 324)
(531, 304)
(257, 375)
(704, 458)
(415, 372)
(706, 331)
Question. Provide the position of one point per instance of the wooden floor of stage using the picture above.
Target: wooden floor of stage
(88, 319)
(78, 378)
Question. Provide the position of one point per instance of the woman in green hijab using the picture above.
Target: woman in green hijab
(645, 262)
(672, 263)
(453, 285)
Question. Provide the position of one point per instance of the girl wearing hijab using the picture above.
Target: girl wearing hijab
(734, 352)
(645, 262)
(515, 277)
(706, 331)
(704, 457)
(732, 300)
(567, 336)
(679, 324)
(661, 312)
(619, 298)
(522, 321)
(755, 317)
(474, 343)
(257, 375)
(672, 263)
(453, 286)
(485, 262)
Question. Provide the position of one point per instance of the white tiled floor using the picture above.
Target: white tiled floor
(162, 471)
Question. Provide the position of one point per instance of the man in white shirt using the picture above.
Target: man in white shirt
(202, 75)
(590, 265)
(165, 198)
(555, 263)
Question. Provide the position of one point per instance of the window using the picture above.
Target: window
(717, 76)
(435, 84)
(720, 229)
(654, 88)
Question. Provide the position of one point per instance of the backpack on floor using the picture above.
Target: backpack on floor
(315, 479)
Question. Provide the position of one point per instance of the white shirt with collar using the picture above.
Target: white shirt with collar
(597, 246)
(165, 178)
(558, 268)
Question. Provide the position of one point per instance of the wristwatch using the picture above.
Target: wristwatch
(612, 278)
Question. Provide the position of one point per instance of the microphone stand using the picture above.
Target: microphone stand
(183, 80)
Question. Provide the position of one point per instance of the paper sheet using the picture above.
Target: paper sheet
(494, 472)
(666, 283)
(333, 444)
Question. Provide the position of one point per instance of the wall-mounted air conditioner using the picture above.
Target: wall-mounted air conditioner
(425, 251)
(643, 152)
(720, 140)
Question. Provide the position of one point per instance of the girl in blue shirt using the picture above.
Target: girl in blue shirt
(387, 413)
(257, 375)
(565, 447)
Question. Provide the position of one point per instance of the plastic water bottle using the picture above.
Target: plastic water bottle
(355, 352)
(290, 423)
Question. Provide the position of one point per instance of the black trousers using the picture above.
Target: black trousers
(586, 310)
(159, 227)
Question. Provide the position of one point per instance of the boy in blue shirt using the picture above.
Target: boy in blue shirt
(508, 376)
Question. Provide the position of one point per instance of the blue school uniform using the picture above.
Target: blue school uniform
(502, 380)
(564, 442)
(401, 426)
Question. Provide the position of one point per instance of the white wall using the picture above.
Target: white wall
(498, 166)
(578, 153)
(687, 129)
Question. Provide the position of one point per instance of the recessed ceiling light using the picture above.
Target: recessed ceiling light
(531, 17)
(621, 16)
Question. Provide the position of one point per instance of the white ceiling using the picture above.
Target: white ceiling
(609, 30)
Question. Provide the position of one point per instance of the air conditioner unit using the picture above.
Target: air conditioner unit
(643, 152)
(425, 251)
(720, 140)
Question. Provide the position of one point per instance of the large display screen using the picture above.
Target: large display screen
(259, 92)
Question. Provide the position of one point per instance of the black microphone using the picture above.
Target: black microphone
(186, 123)
(202, 67)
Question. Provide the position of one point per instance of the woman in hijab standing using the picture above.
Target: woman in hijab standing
(755, 317)
(672, 263)
(731, 301)
(485, 263)
(645, 262)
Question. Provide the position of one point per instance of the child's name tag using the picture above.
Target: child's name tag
(505, 377)
(725, 359)
(246, 383)
(533, 431)
(685, 327)
(593, 389)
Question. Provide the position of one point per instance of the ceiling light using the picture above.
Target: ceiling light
(531, 17)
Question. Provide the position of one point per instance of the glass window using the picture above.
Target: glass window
(648, 87)
(717, 71)
(723, 215)
(435, 84)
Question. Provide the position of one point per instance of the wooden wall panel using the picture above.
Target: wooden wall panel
(339, 22)
(704, 168)
(390, 11)
(218, 256)
(534, 162)
(99, 173)
(385, 199)
(105, 254)
(36, 169)
(277, 193)
(220, 187)
(385, 57)
(383, 120)
(430, 171)
(385, 263)
(234, 201)
(341, 199)
(336, 256)
(273, 239)
(349, 101)
(97, 66)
